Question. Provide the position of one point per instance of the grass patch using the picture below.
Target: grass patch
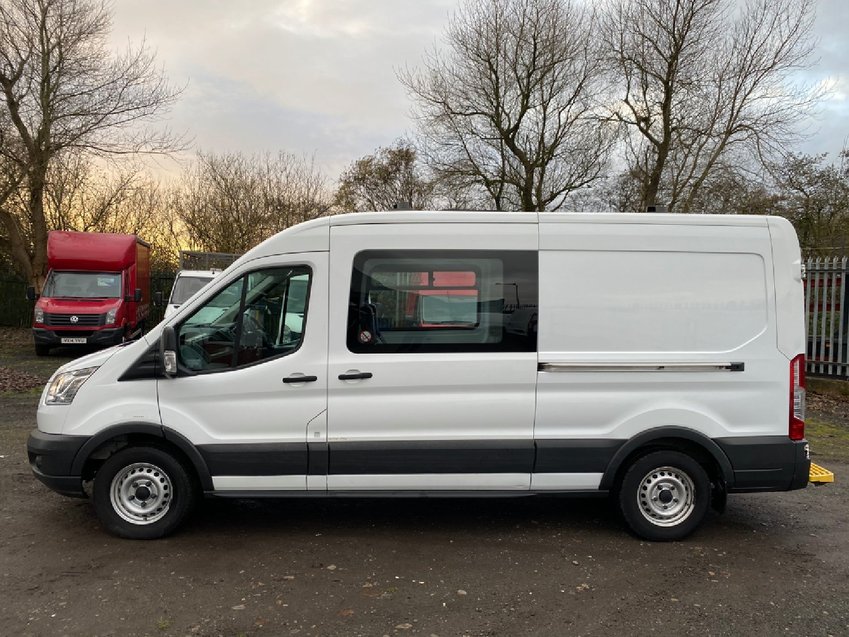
(828, 387)
(828, 440)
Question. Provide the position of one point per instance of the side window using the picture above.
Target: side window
(443, 301)
(259, 316)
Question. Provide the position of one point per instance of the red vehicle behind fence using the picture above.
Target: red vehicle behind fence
(97, 290)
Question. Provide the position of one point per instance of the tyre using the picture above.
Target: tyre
(143, 493)
(664, 495)
(42, 350)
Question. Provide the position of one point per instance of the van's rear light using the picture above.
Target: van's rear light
(797, 398)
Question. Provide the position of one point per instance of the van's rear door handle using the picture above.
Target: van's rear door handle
(300, 379)
(355, 375)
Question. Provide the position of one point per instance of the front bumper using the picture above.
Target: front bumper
(51, 457)
(111, 336)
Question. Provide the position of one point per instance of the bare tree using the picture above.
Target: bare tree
(231, 202)
(704, 82)
(382, 180)
(508, 105)
(814, 196)
(64, 92)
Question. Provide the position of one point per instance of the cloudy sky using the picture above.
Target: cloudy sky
(318, 77)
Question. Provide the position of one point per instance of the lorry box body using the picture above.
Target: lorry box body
(656, 358)
(97, 290)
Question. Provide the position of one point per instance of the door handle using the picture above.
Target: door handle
(300, 379)
(355, 375)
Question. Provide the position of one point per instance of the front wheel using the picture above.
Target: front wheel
(42, 350)
(142, 493)
(664, 495)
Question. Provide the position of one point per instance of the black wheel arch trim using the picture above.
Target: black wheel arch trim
(645, 438)
(148, 429)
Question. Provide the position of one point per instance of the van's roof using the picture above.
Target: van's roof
(201, 274)
(315, 234)
(431, 216)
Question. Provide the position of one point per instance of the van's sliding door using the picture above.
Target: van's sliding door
(432, 356)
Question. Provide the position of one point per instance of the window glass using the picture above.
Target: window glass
(186, 286)
(259, 316)
(83, 285)
(443, 301)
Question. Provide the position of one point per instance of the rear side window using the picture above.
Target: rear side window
(443, 301)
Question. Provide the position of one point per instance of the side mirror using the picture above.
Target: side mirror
(157, 297)
(137, 297)
(31, 295)
(168, 351)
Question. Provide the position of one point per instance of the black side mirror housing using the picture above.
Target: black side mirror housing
(31, 295)
(137, 297)
(157, 297)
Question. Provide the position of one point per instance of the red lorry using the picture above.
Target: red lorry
(97, 290)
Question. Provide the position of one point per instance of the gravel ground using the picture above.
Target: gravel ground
(771, 564)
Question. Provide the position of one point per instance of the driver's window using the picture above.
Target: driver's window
(259, 316)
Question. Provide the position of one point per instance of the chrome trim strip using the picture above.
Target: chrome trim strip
(641, 367)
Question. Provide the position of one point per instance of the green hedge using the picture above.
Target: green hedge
(15, 309)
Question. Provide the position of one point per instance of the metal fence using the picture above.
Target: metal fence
(826, 295)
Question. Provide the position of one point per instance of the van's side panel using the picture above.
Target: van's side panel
(428, 420)
(647, 326)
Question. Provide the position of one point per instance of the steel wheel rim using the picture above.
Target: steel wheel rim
(666, 496)
(141, 493)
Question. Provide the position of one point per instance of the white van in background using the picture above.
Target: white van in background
(186, 284)
(656, 358)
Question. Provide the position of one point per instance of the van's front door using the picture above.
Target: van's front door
(252, 382)
(430, 386)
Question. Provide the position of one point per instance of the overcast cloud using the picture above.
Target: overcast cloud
(318, 77)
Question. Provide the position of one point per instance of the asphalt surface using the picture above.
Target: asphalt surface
(772, 564)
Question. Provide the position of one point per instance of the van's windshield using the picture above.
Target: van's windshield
(83, 285)
(185, 287)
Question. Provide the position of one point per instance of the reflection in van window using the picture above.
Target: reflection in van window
(443, 301)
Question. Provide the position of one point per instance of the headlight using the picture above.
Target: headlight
(39, 315)
(65, 386)
(110, 315)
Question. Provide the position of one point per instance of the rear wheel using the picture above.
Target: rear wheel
(143, 493)
(664, 495)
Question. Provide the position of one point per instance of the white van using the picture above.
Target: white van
(657, 358)
(186, 284)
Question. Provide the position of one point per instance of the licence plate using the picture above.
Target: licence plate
(73, 341)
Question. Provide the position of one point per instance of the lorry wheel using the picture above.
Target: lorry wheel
(142, 493)
(42, 350)
(664, 495)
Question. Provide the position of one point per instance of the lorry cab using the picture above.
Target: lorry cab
(657, 359)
